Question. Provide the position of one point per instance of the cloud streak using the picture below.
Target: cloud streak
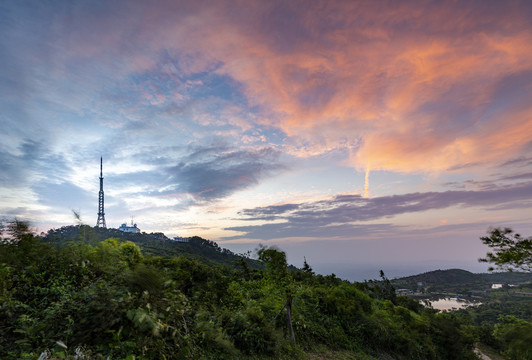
(340, 214)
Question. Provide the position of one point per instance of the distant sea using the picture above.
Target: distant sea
(361, 272)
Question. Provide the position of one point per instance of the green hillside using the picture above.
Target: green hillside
(156, 244)
(458, 280)
(94, 299)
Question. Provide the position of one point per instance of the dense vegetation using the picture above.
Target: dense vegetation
(504, 319)
(108, 299)
(511, 333)
(457, 281)
(157, 244)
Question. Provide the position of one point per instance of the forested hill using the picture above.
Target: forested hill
(156, 244)
(91, 299)
(445, 279)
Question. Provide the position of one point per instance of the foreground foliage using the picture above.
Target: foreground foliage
(511, 250)
(109, 300)
(510, 335)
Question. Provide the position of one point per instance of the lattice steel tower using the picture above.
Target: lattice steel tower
(101, 213)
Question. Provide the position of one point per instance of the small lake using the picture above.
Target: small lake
(449, 303)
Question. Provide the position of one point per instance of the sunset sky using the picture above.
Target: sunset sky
(363, 135)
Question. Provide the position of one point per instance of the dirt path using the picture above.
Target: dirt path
(481, 355)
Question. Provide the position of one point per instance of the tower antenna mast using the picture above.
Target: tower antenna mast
(101, 213)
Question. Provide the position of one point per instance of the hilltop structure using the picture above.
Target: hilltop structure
(130, 229)
(181, 239)
(101, 213)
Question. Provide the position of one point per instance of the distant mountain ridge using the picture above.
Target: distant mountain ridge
(452, 278)
(208, 251)
(439, 276)
(156, 244)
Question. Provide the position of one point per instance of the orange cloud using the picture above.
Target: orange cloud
(414, 86)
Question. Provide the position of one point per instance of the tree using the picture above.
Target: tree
(277, 267)
(306, 267)
(17, 230)
(515, 335)
(511, 250)
(387, 290)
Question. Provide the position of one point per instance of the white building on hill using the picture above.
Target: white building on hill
(130, 229)
(181, 239)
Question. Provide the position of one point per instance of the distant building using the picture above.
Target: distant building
(404, 291)
(130, 229)
(181, 239)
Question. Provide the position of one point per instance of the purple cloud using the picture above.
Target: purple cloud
(335, 216)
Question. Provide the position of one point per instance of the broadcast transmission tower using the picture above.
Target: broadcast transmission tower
(101, 213)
